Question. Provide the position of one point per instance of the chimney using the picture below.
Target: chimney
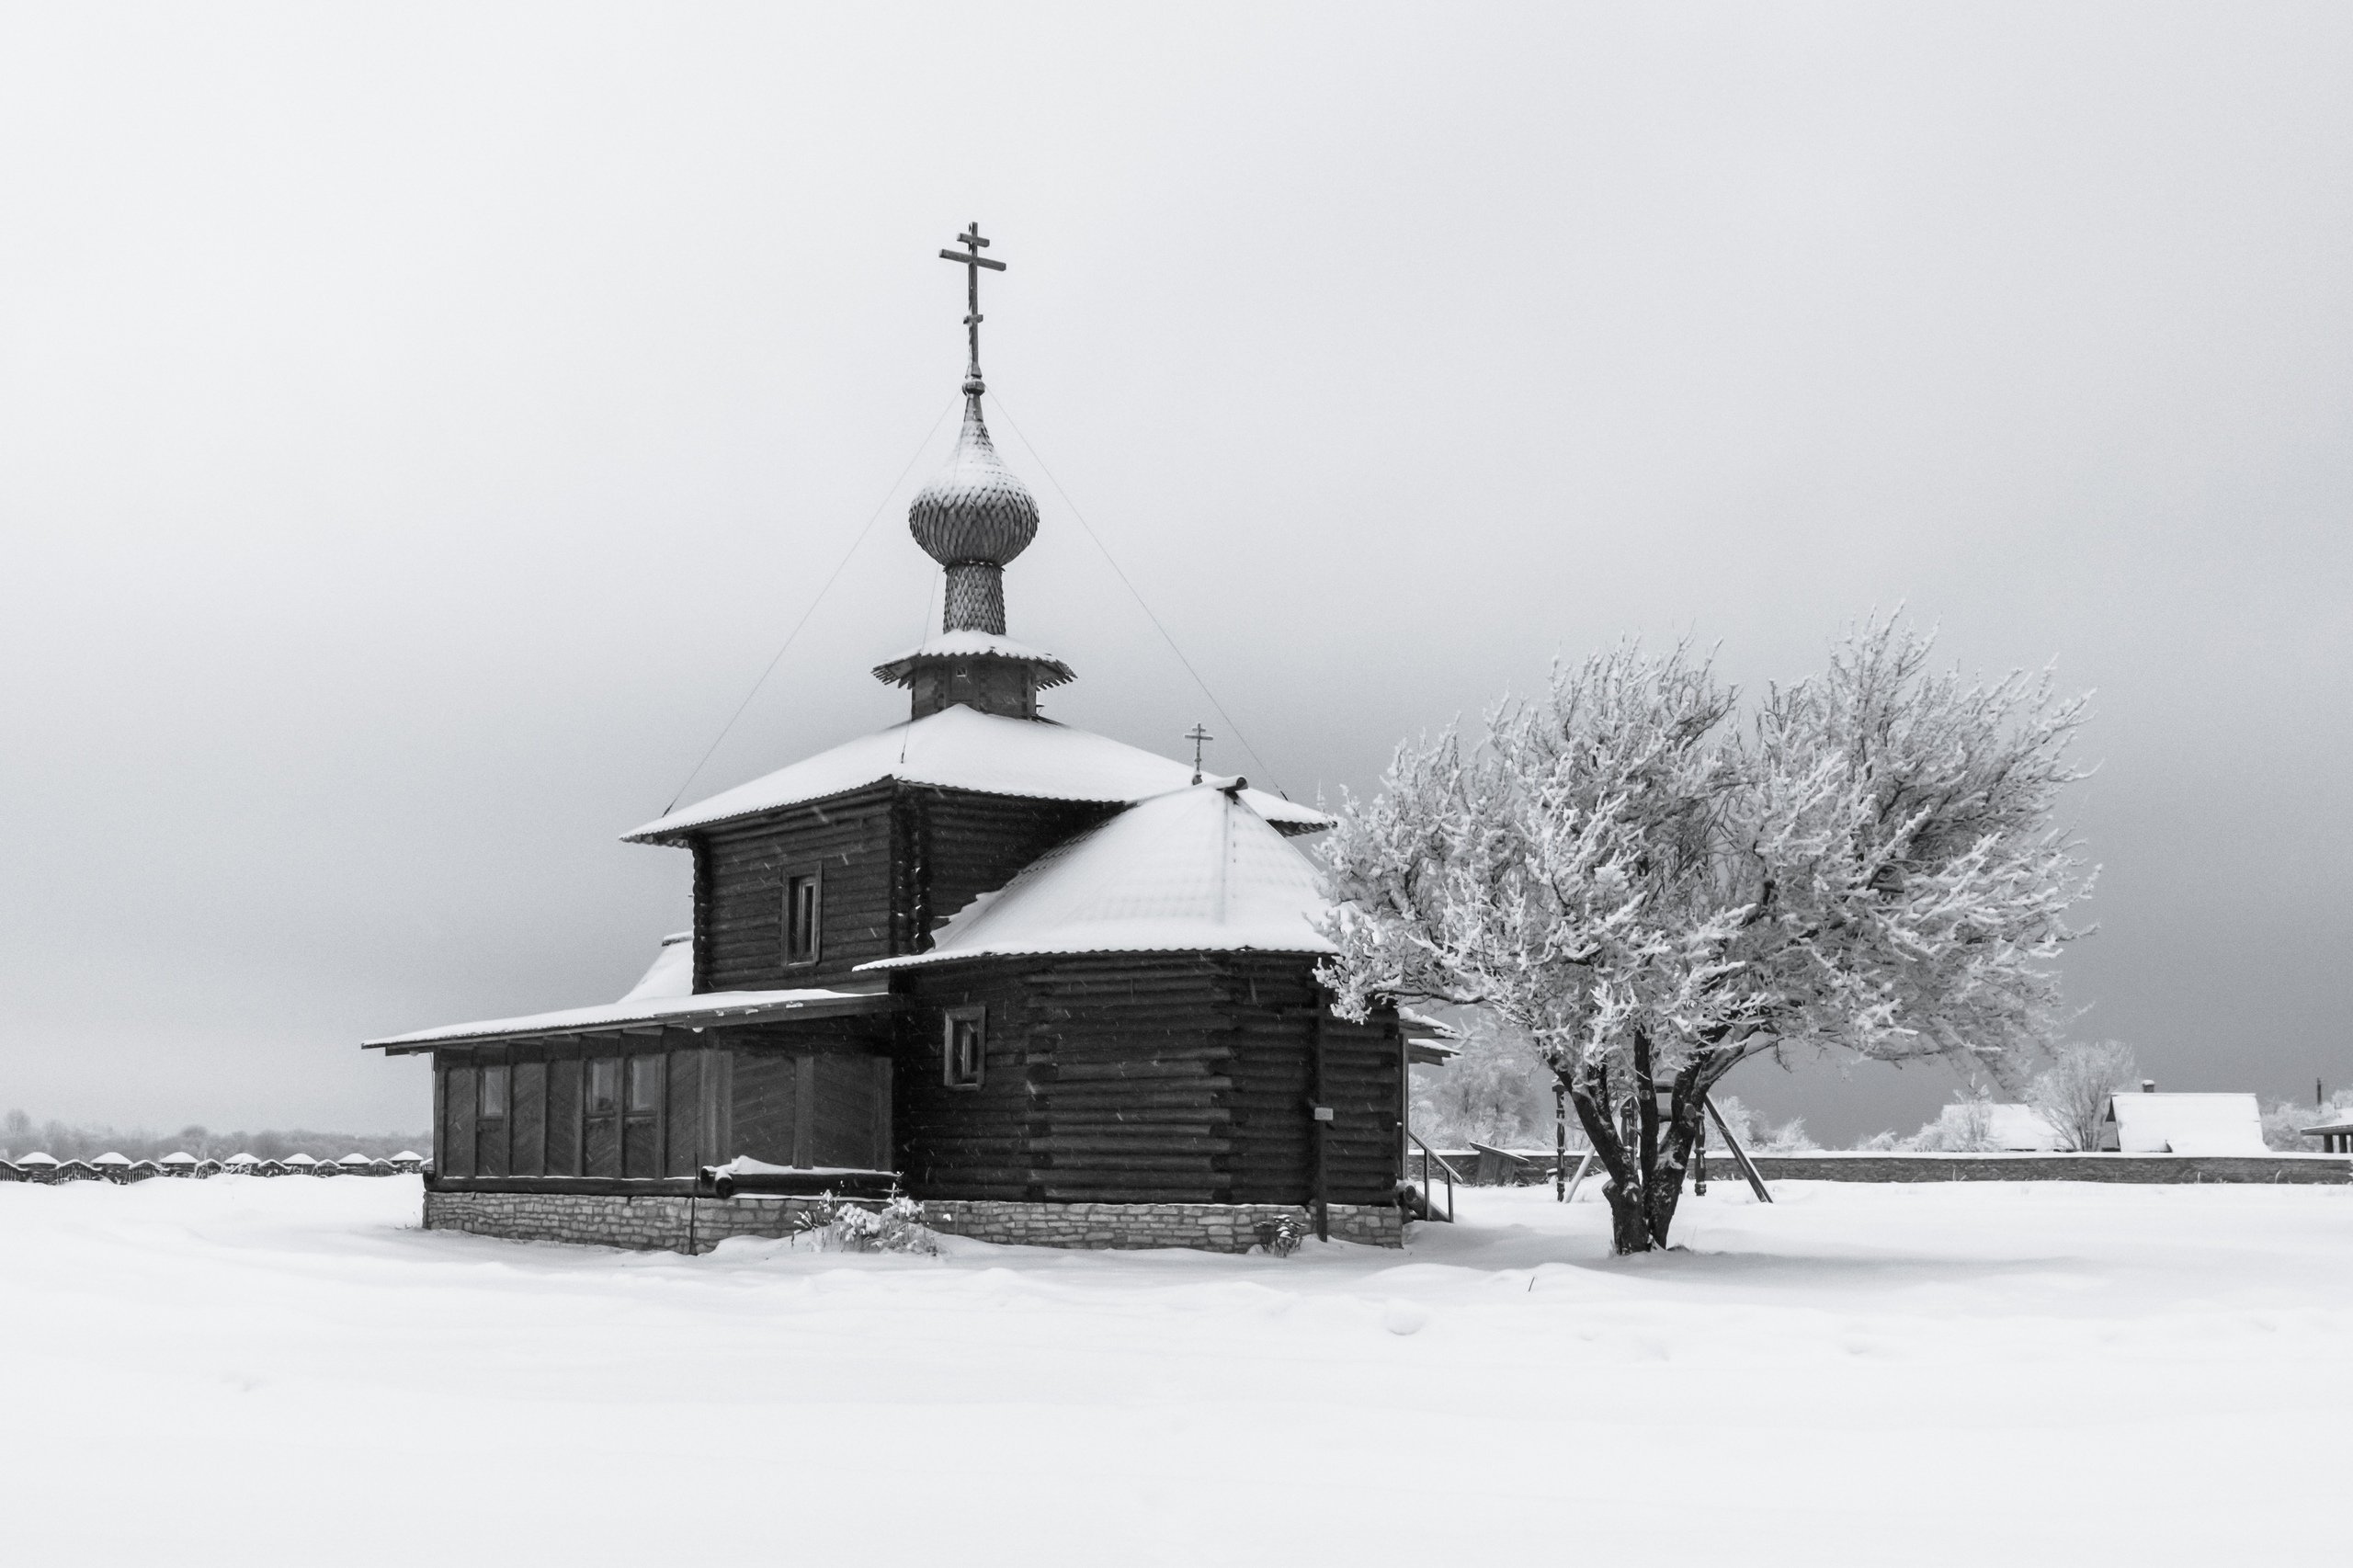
(2148, 1086)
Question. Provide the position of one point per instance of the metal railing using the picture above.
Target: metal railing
(1428, 1155)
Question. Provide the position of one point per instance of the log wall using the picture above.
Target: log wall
(1147, 1078)
(740, 871)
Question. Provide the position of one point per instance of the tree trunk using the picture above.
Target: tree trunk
(1647, 1170)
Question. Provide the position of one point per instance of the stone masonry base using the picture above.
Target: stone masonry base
(698, 1224)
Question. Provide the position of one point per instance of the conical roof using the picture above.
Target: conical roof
(975, 510)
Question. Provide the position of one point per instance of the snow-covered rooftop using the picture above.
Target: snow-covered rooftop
(673, 971)
(111, 1158)
(2187, 1124)
(179, 1157)
(298, 1160)
(708, 1007)
(1196, 870)
(962, 748)
(23, 1160)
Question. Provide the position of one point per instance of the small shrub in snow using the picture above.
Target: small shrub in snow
(837, 1225)
(1282, 1235)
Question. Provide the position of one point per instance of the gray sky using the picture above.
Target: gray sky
(418, 427)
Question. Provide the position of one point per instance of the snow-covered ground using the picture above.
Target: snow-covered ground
(247, 1372)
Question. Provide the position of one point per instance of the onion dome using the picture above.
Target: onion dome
(975, 511)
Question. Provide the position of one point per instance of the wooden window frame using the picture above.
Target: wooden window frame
(482, 1081)
(978, 1016)
(647, 1066)
(809, 874)
(591, 1108)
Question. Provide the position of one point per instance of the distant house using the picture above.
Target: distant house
(300, 1164)
(2335, 1134)
(79, 1170)
(141, 1169)
(8, 1171)
(2152, 1123)
(2013, 1128)
(408, 1161)
(36, 1168)
(242, 1164)
(206, 1168)
(358, 1164)
(180, 1163)
(113, 1167)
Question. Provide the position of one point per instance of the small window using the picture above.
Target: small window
(644, 1085)
(965, 1049)
(493, 1103)
(804, 911)
(604, 1085)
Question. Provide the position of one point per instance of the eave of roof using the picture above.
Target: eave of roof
(620, 1018)
(953, 645)
(983, 754)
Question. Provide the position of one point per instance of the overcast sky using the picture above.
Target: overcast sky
(419, 424)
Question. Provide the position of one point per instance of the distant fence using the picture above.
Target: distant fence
(2284, 1169)
(1508, 1168)
(49, 1173)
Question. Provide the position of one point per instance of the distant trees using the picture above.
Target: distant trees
(1496, 1091)
(2073, 1092)
(19, 1134)
(1653, 884)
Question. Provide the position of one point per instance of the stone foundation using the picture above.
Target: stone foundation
(698, 1224)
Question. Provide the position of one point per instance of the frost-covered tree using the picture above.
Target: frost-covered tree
(1653, 884)
(2073, 1092)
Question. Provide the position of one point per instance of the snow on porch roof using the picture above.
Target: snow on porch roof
(962, 748)
(708, 1007)
(1196, 870)
(665, 994)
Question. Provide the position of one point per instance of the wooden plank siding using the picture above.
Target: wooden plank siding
(1146, 1078)
(739, 884)
(454, 1153)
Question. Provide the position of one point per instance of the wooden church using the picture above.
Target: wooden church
(1057, 988)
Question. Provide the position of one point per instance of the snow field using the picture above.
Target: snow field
(243, 1372)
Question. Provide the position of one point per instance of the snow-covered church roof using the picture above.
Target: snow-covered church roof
(960, 748)
(1196, 870)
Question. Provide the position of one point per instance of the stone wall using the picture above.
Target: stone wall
(1833, 1166)
(698, 1224)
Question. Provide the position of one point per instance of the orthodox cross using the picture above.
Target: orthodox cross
(1198, 734)
(972, 261)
